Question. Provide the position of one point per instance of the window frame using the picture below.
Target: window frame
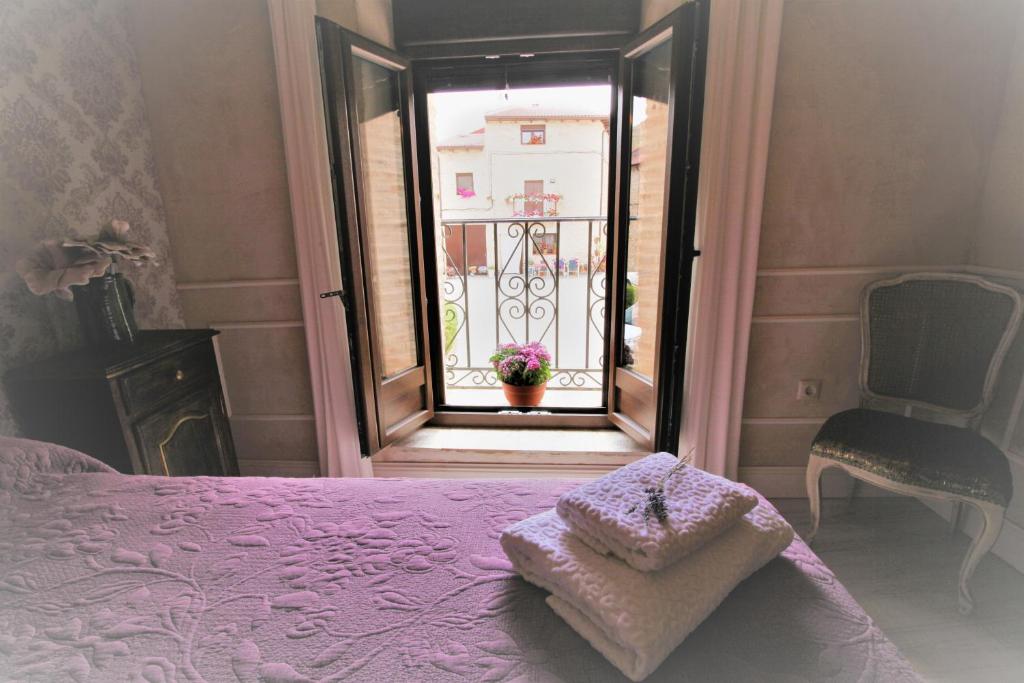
(533, 129)
(472, 182)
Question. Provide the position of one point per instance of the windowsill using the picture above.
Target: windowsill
(522, 440)
(504, 453)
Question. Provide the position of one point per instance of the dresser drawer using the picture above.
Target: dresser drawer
(190, 368)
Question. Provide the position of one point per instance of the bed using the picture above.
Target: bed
(107, 577)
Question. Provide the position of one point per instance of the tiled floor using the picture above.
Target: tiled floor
(900, 562)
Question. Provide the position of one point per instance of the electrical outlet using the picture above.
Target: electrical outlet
(808, 390)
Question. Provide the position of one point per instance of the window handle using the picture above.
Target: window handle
(334, 292)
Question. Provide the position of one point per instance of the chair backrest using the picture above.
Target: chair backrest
(936, 341)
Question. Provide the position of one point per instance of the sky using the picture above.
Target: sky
(457, 113)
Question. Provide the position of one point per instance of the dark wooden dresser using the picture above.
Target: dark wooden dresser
(151, 407)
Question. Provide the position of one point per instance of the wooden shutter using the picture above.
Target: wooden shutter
(371, 142)
(660, 102)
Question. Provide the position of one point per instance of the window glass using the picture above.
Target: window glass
(382, 171)
(532, 135)
(645, 239)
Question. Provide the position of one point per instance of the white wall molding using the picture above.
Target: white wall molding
(231, 284)
(743, 48)
(783, 420)
(316, 243)
(821, 318)
(996, 272)
(857, 270)
(269, 417)
(255, 467)
(255, 324)
(790, 482)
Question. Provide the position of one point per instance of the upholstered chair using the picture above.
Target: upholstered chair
(931, 349)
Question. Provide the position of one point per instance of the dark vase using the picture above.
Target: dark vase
(106, 310)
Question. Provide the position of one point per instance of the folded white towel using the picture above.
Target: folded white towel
(635, 619)
(607, 513)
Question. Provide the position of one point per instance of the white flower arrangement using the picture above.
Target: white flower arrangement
(55, 266)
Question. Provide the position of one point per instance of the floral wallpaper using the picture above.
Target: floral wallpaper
(75, 153)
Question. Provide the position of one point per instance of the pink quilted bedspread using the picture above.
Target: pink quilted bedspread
(107, 577)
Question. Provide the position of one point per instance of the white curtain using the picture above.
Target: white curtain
(742, 54)
(316, 242)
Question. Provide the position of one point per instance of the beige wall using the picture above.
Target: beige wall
(882, 128)
(999, 241)
(998, 253)
(209, 83)
(883, 121)
(371, 18)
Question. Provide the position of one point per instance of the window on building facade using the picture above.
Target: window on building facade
(464, 185)
(532, 135)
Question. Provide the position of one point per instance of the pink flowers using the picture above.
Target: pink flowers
(465, 192)
(522, 364)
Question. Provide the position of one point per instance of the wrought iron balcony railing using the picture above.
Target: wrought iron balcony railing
(525, 279)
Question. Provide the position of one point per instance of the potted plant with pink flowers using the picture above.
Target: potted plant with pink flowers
(524, 370)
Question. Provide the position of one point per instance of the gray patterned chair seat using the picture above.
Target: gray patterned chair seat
(917, 453)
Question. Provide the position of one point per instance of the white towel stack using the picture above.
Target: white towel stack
(636, 587)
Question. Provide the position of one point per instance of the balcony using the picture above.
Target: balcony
(534, 205)
(524, 279)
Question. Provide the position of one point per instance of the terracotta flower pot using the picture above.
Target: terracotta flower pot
(525, 397)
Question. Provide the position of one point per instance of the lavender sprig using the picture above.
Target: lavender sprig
(653, 502)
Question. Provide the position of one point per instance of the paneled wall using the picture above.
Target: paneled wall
(208, 78)
(210, 88)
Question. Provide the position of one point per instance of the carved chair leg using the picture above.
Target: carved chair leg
(954, 521)
(992, 524)
(814, 467)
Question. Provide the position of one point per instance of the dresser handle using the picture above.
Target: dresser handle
(179, 375)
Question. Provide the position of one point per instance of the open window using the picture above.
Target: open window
(661, 103)
(416, 270)
(371, 138)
